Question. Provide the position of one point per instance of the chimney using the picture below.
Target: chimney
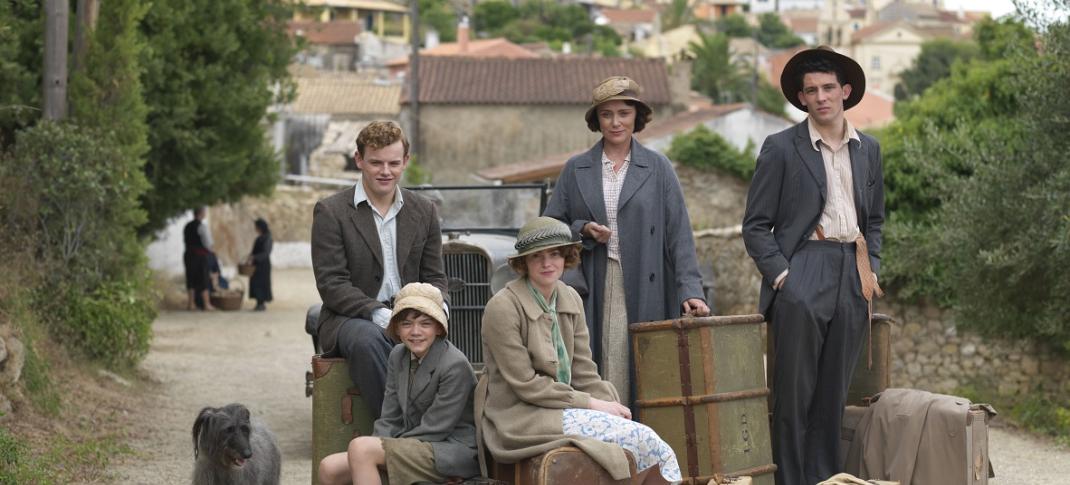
(462, 34)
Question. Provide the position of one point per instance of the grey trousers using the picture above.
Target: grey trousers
(366, 348)
(819, 323)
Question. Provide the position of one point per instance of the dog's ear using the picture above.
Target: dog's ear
(243, 413)
(202, 419)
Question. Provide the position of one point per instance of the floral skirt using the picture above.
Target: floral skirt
(647, 447)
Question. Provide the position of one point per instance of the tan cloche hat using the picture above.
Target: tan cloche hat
(613, 88)
(542, 233)
(423, 297)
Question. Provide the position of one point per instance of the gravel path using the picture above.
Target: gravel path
(259, 359)
(203, 359)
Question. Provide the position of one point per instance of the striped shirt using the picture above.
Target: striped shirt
(839, 220)
(612, 181)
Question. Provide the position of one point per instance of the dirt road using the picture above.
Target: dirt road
(209, 359)
(203, 359)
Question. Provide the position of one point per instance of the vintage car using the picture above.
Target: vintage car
(479, 225)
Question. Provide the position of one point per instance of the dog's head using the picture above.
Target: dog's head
(222, 434)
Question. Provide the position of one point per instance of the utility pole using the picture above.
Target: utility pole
(57, 13)
(414, 79)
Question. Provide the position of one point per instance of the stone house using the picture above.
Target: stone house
(477, 113)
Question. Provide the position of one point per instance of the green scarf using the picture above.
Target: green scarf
(564, 363)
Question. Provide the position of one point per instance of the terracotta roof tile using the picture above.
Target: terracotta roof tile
(629, 15)
(497, 47)
(564, 80)
(345, 94)
(335, 32)
(873, 111)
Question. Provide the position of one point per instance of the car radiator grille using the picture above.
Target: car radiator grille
(466, 305)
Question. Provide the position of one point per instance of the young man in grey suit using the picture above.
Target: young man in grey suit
(367, 242)
(813, 227)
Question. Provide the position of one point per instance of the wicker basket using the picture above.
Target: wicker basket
(227, 300)
(246, 269)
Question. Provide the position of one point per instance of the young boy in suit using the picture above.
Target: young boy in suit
(426, 432)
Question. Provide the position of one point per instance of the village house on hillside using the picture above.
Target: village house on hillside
(476, 113)
(346, 35)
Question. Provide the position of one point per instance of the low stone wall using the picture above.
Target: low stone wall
(928, 351)
(288, 213)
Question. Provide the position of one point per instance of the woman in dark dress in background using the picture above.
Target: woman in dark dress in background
(260, 282)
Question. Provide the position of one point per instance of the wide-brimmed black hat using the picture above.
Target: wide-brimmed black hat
(791, 81)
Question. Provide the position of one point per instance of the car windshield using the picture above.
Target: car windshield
(486, 208)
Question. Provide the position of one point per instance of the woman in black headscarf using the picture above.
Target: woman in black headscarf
(260, 282)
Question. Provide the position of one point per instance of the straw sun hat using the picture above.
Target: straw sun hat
(423, 297)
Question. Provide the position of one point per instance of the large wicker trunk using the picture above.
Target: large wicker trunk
(701, 386)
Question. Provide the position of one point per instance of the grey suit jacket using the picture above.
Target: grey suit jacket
(347, 256)
(439, 409)
(787, 195)
(657, 248)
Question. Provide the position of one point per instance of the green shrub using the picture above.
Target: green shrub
(114, 322)
(78, 204)
(704, 149)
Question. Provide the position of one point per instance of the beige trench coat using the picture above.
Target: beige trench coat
(522, 406)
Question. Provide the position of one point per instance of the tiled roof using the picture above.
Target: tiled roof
(870, 30)
(497, 47)
(335, 32)
(778, 61)
(873, 111)
(565, 80)
(346, 94)
(629, 15)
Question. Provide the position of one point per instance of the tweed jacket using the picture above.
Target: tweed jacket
(439, 409)
(347, 256)
(787, 195)
(657, 248)
(523, 403)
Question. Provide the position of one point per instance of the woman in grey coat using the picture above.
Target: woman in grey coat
(624, 202)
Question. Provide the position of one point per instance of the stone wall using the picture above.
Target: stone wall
(928, 351)
(288, 213)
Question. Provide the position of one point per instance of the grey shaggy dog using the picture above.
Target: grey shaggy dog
(231, 448)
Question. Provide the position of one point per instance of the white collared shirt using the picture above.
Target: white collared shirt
(386, 226)
(612, 182)
(839, 220)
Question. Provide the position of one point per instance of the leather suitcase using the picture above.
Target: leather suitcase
(867, 381)
(561, 466)
(700, 385)
(922, 436)
(338, 412)
(979, 467)
(852, 415)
